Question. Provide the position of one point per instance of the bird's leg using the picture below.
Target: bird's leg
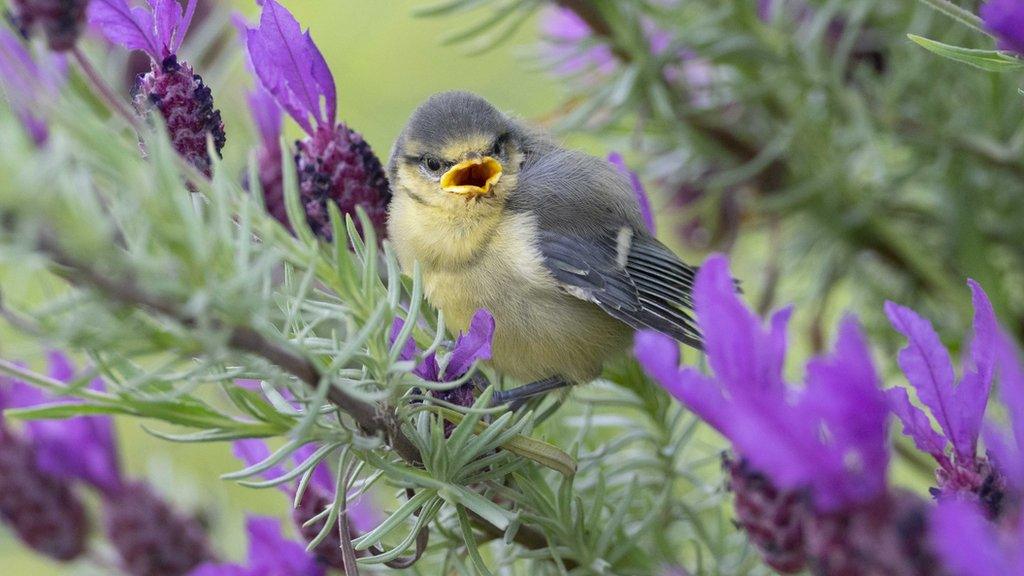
(517, 396)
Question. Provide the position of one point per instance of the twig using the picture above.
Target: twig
(242, 338)
(371, 418)
(106, 93)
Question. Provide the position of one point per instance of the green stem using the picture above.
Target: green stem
(961, 15)
(106, 93)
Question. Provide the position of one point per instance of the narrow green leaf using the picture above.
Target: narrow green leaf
(991, 60)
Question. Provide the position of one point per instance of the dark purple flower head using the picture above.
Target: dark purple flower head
(319, 495)
(1005, 19)
(152, 538)
(638, 189)
(957, 407)
(42, 510)
(773, 519)
(334, 163)
(79, 448)
(26, 82)
(828, 438)
(171, 87)
(270, 554)
(61, 21)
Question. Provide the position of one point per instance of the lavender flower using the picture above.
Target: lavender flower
(1005, 19)
(61, 21)
(473, 345)
(772, 427)
(334, 163)
(827, 441)
(171, 87)
(638, 189)
(969, 544)
(573, 50)
(41, 508)
(80, 448)
(318, 496)
(151, 538)
(270, 554)
(958, 408)
(27, 82)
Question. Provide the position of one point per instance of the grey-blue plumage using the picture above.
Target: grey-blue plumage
(550, 240)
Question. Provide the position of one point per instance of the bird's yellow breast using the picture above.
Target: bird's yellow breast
(489, 259)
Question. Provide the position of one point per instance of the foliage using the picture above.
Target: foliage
(884, 170)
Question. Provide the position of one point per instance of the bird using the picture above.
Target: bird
(549, 240)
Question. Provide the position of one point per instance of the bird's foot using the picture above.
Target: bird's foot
(516, 397)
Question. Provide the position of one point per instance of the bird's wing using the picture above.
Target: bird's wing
(629, 274)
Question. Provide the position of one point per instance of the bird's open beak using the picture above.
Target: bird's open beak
(472, 178)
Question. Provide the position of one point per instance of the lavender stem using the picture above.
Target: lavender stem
(106, 93)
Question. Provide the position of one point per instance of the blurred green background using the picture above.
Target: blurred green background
(385, 62)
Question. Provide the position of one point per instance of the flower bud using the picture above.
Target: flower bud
(338, 165)
(61, 21)
(41, 509)
(186, 104)
(153, 539)
(773, 519)
(887, 537)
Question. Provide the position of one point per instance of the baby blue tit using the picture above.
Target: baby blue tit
(549, 240)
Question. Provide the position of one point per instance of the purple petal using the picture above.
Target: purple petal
(1005, 19)
(25, 82)
(281, 55)
(272, 554)
(324, 80)
(1009, 454)
(267, 115)
(251, 452)
(638, 189)
(471, 346)
(132, 28)
(363, 514)
(843, 393)
(740, 351)
(183, 26)
(166, 18)
(973, 391)
(82, 447)
(967, 543)
(659, 356)
(428, 369)
(409, 348)
(916, 424)
(1006, 455)
(928, 368)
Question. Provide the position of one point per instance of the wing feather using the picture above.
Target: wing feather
(649, 288)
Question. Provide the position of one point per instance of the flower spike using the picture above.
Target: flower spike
(957, 407)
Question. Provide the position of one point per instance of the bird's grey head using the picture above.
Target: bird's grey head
(457, 147)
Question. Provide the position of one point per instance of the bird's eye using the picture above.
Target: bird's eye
(432, 164)
(499, 147)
